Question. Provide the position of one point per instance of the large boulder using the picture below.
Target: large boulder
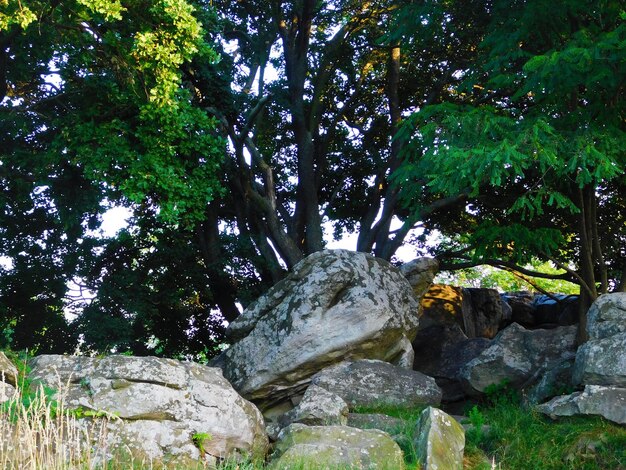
(479, 312)
(336, 305)
(315, 447)
(601, 360)
(609, 402)
(556, 380)
(607, 316)
(8, 371)
(376, 384)
(439, 441)
(517, 355)
(420, 273)
(160, 405)
(443, 305)
(483, 318)
(442, 352)
(318, 407)
(556, 309)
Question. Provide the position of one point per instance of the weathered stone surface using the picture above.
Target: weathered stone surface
(161, 404)
(372, 383)
(483, 318)
(315, 447)
(523, 311)
(607, 316)
(609, 402)
(441, 352)
(388, 424)
(7, 391)
(440, 441)
(318, 407)
(8, 371)
(556, 379)
(335, 305)
(516, 354)
(420, 273)
(442, 305)
(477, 311)
(602, 362)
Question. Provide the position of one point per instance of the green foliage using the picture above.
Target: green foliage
(477, 420)
(535, 120)
(31, 395)
(502, 393)
(519, 439)
(199, 438)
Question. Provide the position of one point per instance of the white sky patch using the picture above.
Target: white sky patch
(114, 220)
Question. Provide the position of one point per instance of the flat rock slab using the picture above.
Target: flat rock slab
(160, 405)
(376, 384)
(609, 402)
(316, 447)
(336, 305)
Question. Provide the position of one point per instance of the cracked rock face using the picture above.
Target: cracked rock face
(439, 441)
(336, 305)
(159, 404)
(373, 384)
(516, 354)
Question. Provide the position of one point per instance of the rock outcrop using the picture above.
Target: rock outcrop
(439, 441)
(374, 384)
(318, 407)
(609, 402)
(600, 365)
(161, 404)
(516, 355)
(602, 359)
(313, 447)
(336, 305)
(442, 352)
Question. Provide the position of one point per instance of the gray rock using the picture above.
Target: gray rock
(160, 403)
(442, 352)
(420, 273)
(483, 318)
(439, 441)
(389, 424)
(556, 379)
(378, 384)
(607, 316)
(602, 362)
(8, 371)
(443, 305)
(318, 407)
(314, 447)
(609, 402)
(523, 311)
(336, 305)
(516, 354)
(7, 392)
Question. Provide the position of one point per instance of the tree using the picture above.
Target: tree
(93, 112)
(535, 139)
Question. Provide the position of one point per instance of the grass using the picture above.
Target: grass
(519, 439)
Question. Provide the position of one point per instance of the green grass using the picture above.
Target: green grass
(520, 438)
